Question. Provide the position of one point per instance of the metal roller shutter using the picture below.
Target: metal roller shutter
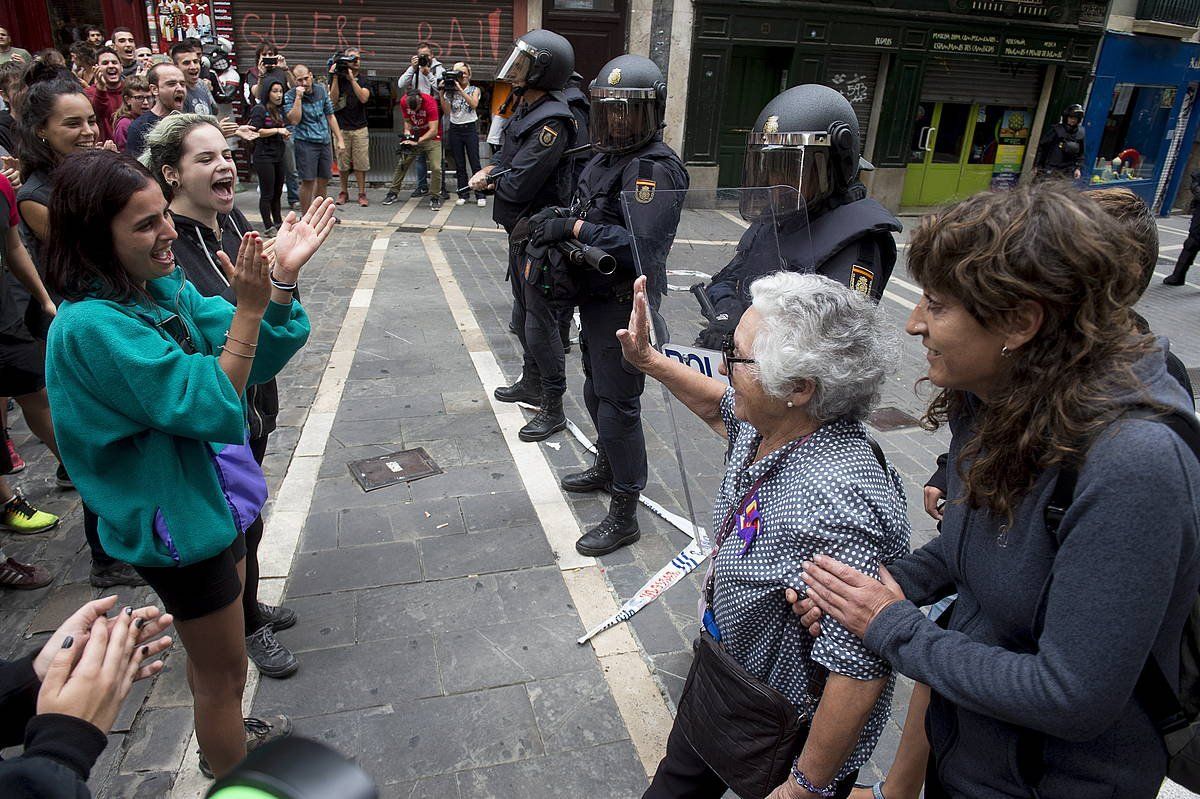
(387, 31)
(953, 80)
(855, 75)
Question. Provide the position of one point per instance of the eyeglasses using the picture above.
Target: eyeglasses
(728, 350)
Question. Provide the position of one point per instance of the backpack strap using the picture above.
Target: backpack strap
(878, 450)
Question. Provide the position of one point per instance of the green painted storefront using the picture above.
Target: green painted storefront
(939, 88)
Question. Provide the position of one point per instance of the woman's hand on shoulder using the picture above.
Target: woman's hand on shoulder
(850, 597)
(301, 237)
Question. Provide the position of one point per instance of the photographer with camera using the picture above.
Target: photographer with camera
(459, 101)
(628, 105)
(350, 98)
(423, 75)
(422, 136)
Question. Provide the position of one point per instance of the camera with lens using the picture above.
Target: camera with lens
(406, 137)
(342, 63)
(450, 80)
(423, 60)
(270, 61)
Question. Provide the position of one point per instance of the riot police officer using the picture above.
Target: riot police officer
(628, 104)
(536, 174)
(1060, 151)
(806, 138)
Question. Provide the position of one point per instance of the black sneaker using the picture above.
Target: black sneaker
(258, 732)
(62, 479)
(435, 203)
(391, 199)
(418, 193)
(115, 573)
(280, 618)
(272, 658)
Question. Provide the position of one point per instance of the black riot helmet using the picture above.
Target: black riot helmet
(540, 59)
(805, 139)
(1073, 110)
(629, 101)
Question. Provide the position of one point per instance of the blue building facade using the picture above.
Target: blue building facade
(1141, 117)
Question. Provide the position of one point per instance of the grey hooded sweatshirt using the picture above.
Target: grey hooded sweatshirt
(1119, 587)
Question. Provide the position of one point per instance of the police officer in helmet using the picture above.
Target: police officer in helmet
(807, 139)
(1060, 151)
(628, 103)
(537, 175)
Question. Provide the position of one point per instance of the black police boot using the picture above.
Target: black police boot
(618, 529)
(594, 479)
(1179, 274)
(549, 420)
(527, 389)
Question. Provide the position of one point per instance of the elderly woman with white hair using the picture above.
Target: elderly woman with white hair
(767, 709)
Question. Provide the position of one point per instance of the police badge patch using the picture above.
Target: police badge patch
(861, 279)
(614, 77)
(644, 191)
(548, 136)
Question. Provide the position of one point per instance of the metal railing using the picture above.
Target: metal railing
(1178, 12)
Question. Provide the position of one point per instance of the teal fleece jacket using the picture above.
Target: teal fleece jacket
(136, 416)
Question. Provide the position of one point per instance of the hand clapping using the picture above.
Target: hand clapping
(301, 237)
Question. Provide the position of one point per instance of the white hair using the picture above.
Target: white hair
(816, 329)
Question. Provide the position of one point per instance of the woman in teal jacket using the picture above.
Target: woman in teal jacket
(147, 382)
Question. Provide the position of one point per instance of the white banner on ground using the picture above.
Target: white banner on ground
(680, 566)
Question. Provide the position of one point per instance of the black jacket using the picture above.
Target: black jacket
(535, 140)
(59, 750)
(195, 251)
(1061, 149)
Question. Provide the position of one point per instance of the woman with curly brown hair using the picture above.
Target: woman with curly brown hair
(1026, 322)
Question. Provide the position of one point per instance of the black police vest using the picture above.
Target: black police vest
(598, 199)
(577, 101)
(518, 135)
(811, 245)
(1064, 153)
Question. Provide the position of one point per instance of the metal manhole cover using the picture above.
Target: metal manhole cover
(889, 418)
(397, 467)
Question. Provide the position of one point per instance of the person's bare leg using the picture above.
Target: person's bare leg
(344, 180)
(36, 409)
(322, 186)
(361, 177)
(906, 777)
(307, 188)
(216, 672)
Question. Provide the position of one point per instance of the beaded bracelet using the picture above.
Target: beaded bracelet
(803, 781)
(282, 286)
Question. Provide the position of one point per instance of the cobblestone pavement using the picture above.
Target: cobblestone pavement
(436, 633)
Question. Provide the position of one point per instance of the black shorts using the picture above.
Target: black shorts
(22, 367)
(189, 592)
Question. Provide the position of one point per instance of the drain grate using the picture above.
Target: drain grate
(397, 467)
(888, 419)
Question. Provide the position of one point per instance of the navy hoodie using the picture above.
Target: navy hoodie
(1118, 589)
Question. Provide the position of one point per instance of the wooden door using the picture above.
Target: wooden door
(756, 74)
(595, 28)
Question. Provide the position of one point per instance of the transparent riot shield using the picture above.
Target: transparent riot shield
(696, 251)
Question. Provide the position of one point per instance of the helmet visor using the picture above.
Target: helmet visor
(803, 171)
(516, 68)
(619, 124)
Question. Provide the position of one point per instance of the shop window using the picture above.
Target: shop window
(1133, 133)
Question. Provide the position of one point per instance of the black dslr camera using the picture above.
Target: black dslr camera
(450, 80)
(405, 137)
(423, 60)
(342, 63)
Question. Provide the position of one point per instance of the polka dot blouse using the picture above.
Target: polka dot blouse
(830, 496)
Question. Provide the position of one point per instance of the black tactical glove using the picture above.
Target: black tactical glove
(552, 230)
(546, 213)
(720, 329)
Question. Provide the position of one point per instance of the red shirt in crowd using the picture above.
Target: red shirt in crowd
(420, 119)
(106, 104)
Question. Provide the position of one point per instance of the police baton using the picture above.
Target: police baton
(706, 307)
(573, 151)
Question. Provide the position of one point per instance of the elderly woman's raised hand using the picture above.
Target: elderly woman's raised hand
(635, 339)
(848, 595)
